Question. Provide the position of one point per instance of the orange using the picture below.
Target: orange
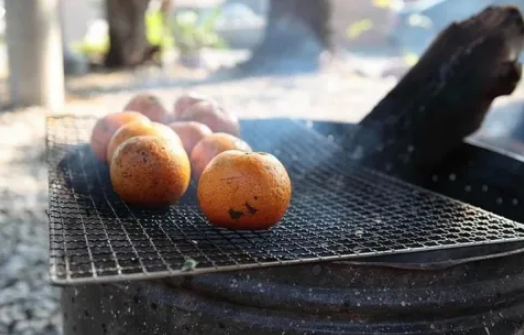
(185, 101)
(149, 171)
(107, 126)
(213, 116)
(190, 133)
(244, 190)
(212, 145)
(150, 106)
(140, 128)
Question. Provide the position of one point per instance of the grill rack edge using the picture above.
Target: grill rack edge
(92, 239)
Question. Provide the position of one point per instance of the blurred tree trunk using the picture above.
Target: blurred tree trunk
(127, 33)
(314, 15)
(298, 30)
(167, 6)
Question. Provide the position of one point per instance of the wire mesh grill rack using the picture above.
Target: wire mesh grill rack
(338, 211)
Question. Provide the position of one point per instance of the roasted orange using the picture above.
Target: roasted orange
(107, 126)
(190, 132)
(140, 128)
(213, 116)
(185, 101)
(150, 171)
(244, 190)
(150, 106)
(212, 145)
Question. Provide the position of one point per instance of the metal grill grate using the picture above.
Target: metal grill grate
(339, 211)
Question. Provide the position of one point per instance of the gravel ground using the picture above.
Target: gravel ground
(28, 304)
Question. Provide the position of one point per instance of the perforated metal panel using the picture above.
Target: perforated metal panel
(338, 211)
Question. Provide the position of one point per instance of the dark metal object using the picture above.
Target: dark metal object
(339, 211)
(444, 97)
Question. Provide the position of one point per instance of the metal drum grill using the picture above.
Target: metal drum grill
(339, 211)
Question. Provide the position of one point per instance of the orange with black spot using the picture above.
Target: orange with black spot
(244, 190)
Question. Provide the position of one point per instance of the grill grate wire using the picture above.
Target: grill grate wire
(339, 211)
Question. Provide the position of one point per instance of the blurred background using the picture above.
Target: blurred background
(195, 38)
(166, 40)
(319, 59)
